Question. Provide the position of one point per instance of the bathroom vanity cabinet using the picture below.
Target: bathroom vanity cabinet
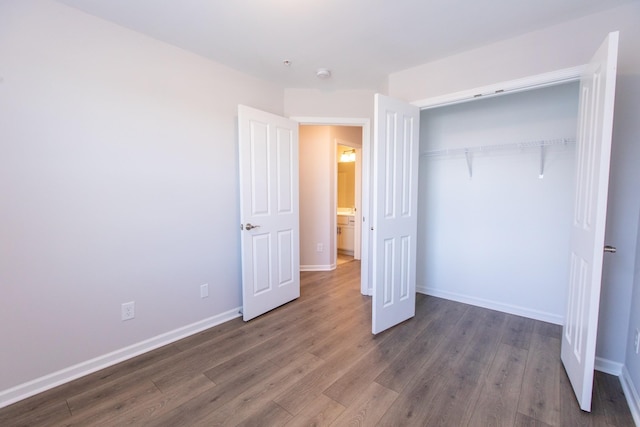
(345, 230)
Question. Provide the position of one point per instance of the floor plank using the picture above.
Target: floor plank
(525, 421)
(519, 332)
(259, 397)
(319, 413)
(498, 401)
(611, 399)
(164, 403)
(540, 396)
(268, 416)
(350, 385)
(368, 408)
(570, 412)
(403, 368)
(104, 411)
(412, 407)
(41, 412)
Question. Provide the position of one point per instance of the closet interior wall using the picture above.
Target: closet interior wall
(491, 231)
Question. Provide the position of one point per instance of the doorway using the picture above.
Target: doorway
(329, 203)
(318, 192)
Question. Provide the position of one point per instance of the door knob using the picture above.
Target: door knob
(611, 249)
(250, 227)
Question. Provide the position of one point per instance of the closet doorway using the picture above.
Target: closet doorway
(496, 185)
(586, 242)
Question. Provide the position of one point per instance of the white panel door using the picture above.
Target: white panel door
(269, 211)
(395, 196)
(595, 124)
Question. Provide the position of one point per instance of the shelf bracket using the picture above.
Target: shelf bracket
(467, 155)
(541, 175)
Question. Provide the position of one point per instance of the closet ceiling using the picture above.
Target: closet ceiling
(360, 41)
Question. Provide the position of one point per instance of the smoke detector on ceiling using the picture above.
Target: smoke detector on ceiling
(323, 73)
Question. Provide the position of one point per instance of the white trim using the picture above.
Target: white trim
(365, 123)
(631, 393)
(47, 382)
(329, 267)
(331, 121)
(512, 86)
(608, 366)
(493, 305)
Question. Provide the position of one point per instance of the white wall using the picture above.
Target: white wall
(560, 46)
(118, 182)
(316, 198)
(351, 134)
(500, 238)
(339, 103)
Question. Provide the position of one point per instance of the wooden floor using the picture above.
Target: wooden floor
(315, 362)
(344, 258)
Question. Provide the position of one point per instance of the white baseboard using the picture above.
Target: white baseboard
(30, 388)
(631, 393)
(493, 305)
(608, 366)
(329, 267)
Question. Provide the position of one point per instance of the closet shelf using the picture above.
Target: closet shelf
(469, 151)
(495, 147)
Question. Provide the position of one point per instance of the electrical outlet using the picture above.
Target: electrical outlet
(636, 342)
(204, 290)
(320, 247)
(128, 310)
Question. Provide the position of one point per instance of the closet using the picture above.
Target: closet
(496, 189)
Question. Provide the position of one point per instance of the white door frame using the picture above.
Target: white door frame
(565, 75)
(365, 124)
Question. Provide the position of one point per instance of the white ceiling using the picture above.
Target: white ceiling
(361, 41)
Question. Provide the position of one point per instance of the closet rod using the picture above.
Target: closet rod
(485, 148)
